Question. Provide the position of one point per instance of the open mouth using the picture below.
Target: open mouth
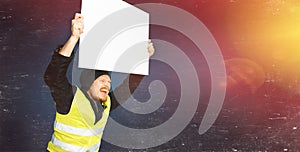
(104, 90)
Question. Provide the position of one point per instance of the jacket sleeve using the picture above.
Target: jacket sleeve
(56, 79)
(121, 94)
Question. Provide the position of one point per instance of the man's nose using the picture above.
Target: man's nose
(107, 84)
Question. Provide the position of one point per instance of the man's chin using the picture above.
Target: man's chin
(103, 99)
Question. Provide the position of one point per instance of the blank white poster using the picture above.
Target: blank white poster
(115, 37)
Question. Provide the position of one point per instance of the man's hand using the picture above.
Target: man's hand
(77, 25)
(150, 48)
(77, 30)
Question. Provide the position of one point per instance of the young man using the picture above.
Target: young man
(81, 113)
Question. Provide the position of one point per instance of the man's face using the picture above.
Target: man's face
(100, 88)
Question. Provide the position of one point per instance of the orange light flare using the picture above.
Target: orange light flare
(268, 33)
(243, 76)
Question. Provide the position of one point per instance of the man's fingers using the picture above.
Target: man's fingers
(77, 25)
(150, 44)
(77, 22)
(150, 48)
(78, 16)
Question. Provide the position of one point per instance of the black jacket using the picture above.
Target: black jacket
(63, 92)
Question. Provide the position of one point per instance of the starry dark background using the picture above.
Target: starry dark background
(260, 111)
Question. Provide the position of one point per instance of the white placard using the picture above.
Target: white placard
(115, 37)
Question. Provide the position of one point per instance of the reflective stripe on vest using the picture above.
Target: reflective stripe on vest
(73, 148)
(78, 131)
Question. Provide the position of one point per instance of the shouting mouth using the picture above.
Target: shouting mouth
(104, 90)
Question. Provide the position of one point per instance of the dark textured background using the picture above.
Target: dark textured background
(262, 118)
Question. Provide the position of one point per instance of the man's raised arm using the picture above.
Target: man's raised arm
(128, 86)
(55, 75)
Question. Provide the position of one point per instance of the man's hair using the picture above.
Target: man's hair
(88, 76)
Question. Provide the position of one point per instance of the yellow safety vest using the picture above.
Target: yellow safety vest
(76, 131)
